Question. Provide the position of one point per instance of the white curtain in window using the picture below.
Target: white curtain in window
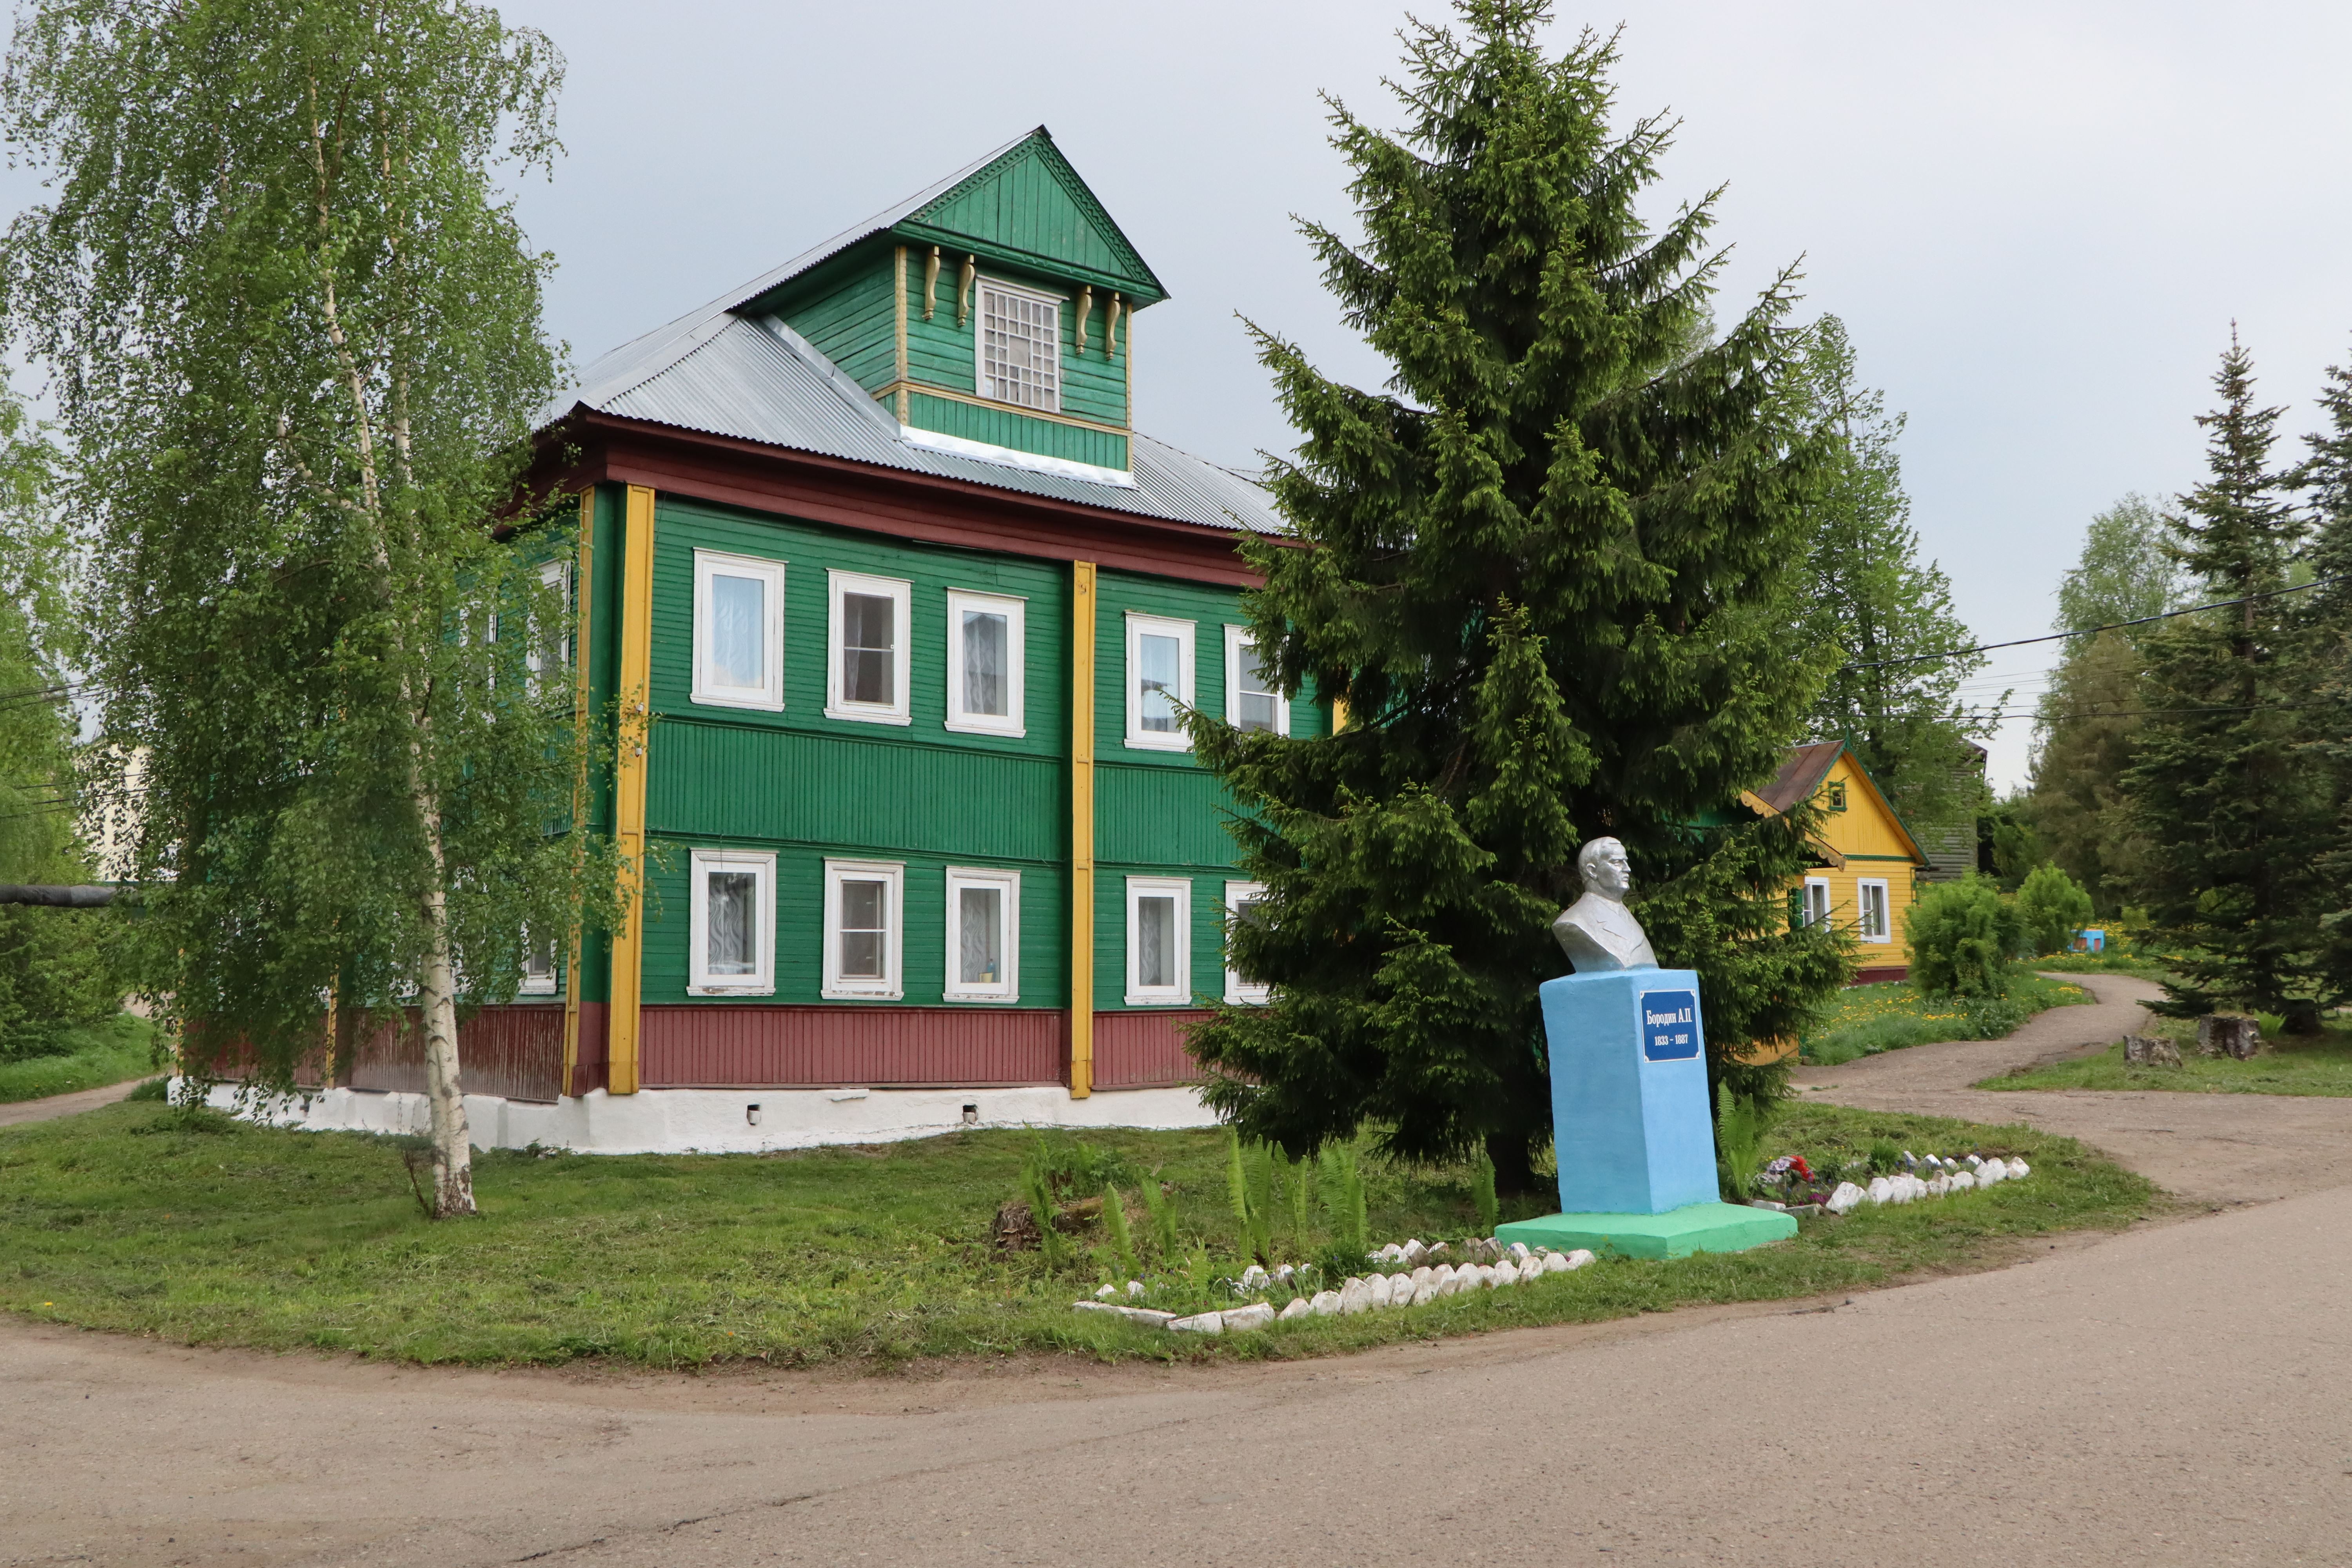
(985, 691)
(980, 919)
(739, 615)
(1159, 680)
(865, 930)
(733, 922)
(868, 642)
(1155, 942)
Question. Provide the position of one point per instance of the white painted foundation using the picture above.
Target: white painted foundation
(718, 1121)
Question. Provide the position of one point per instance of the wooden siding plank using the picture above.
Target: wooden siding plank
(1019, 432)
(1145, 1049)
(743, 1045)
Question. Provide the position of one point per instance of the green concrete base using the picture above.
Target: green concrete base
(1677, 1233)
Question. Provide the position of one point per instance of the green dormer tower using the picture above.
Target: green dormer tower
(991, 313)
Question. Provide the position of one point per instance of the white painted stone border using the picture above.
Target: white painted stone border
(1425, 1283)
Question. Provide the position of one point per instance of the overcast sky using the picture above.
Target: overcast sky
(2038, 220)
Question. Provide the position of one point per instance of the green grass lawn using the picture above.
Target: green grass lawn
(2286, 1066)
(1864, 1020)
(121, 1047)
(2111, 961)
(142, 1218)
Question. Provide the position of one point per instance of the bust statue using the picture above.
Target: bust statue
(1598, 932)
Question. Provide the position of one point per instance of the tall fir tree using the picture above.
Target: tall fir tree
(1870, 597)
(2323, 657)
(2229, 811)
(1549, 575)
(297, 336)
(2087, 720)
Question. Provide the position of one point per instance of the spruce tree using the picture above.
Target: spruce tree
(2229, 809)
(1549, 574)
(1870, 597)
(2324, 660)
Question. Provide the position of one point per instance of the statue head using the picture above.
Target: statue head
(1606, 870)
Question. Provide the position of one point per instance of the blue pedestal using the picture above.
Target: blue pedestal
(1628, 1106)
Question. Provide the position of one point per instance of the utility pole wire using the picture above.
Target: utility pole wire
(2110, 627)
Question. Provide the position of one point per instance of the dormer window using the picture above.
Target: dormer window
(1020, 346)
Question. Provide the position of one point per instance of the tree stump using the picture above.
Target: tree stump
(2150, 1051)
(2232, 1035)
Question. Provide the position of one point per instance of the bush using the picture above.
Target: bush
(56, 975)
(1962, 936)
(2051, 907)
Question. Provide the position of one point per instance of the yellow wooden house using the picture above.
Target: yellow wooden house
(1867, 864)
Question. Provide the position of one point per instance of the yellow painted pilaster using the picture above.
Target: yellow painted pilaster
(583, 582)
(1082, 830)
(629, 779)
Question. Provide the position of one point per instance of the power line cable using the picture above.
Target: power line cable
(2092, 631)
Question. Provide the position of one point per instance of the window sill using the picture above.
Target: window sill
(1159, 743)
(970, 727)
(869, 715)
(760, 989)
(721, 699)
(954, 1000)
(835, 994)
(1157, 1001)
(1257, 998)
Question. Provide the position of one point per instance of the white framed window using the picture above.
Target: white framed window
(555, 576)
(1251, 701)
(1159, 942)
(866, 669)
(1019, 346)
(1875, 924)
(983, 935)
(738, 631)
(538, 968)
(987, 649)
(1815, 911)
(864, 901)
(1240, 988)
(731, 923)
(1159, 679)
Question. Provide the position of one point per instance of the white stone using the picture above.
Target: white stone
(1557, 1263)
(1355, 1295)
(1413, 1251)
(1845, 1199)
(1579, 1257)
(1519, 1252)
(1297, 1307)
(1939, 1186)
(1422, 1275)
(1486, 1275)
(1094, 1306)
(1991, 1170)
(1134, 1290)
(1507, 1273)
(1286, 1273)
(1376, 1290)
(1879, 1191)
(1253, 1278)
(1105, 1293)
(1963, 1182)
(1439, 1249)
(2019, 1168)
(1391, 1252)
(1327, 1303)
(1240, 1320)
(1426, 1291)
(1200, 1323)
(1972, 1161)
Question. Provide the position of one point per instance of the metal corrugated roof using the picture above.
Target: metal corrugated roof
(756, 379)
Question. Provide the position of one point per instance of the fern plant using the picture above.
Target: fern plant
(1122, 1243)
(1160, 1215)
(1482, 1194)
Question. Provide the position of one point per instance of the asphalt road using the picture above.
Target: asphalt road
(2181, 1394)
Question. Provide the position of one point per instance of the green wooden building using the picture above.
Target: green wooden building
(894, 606)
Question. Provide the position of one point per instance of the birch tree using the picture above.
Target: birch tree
(294, 332)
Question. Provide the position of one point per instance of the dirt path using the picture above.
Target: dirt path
(2174, 1396)
(74, 1104)
(2212, 1149)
